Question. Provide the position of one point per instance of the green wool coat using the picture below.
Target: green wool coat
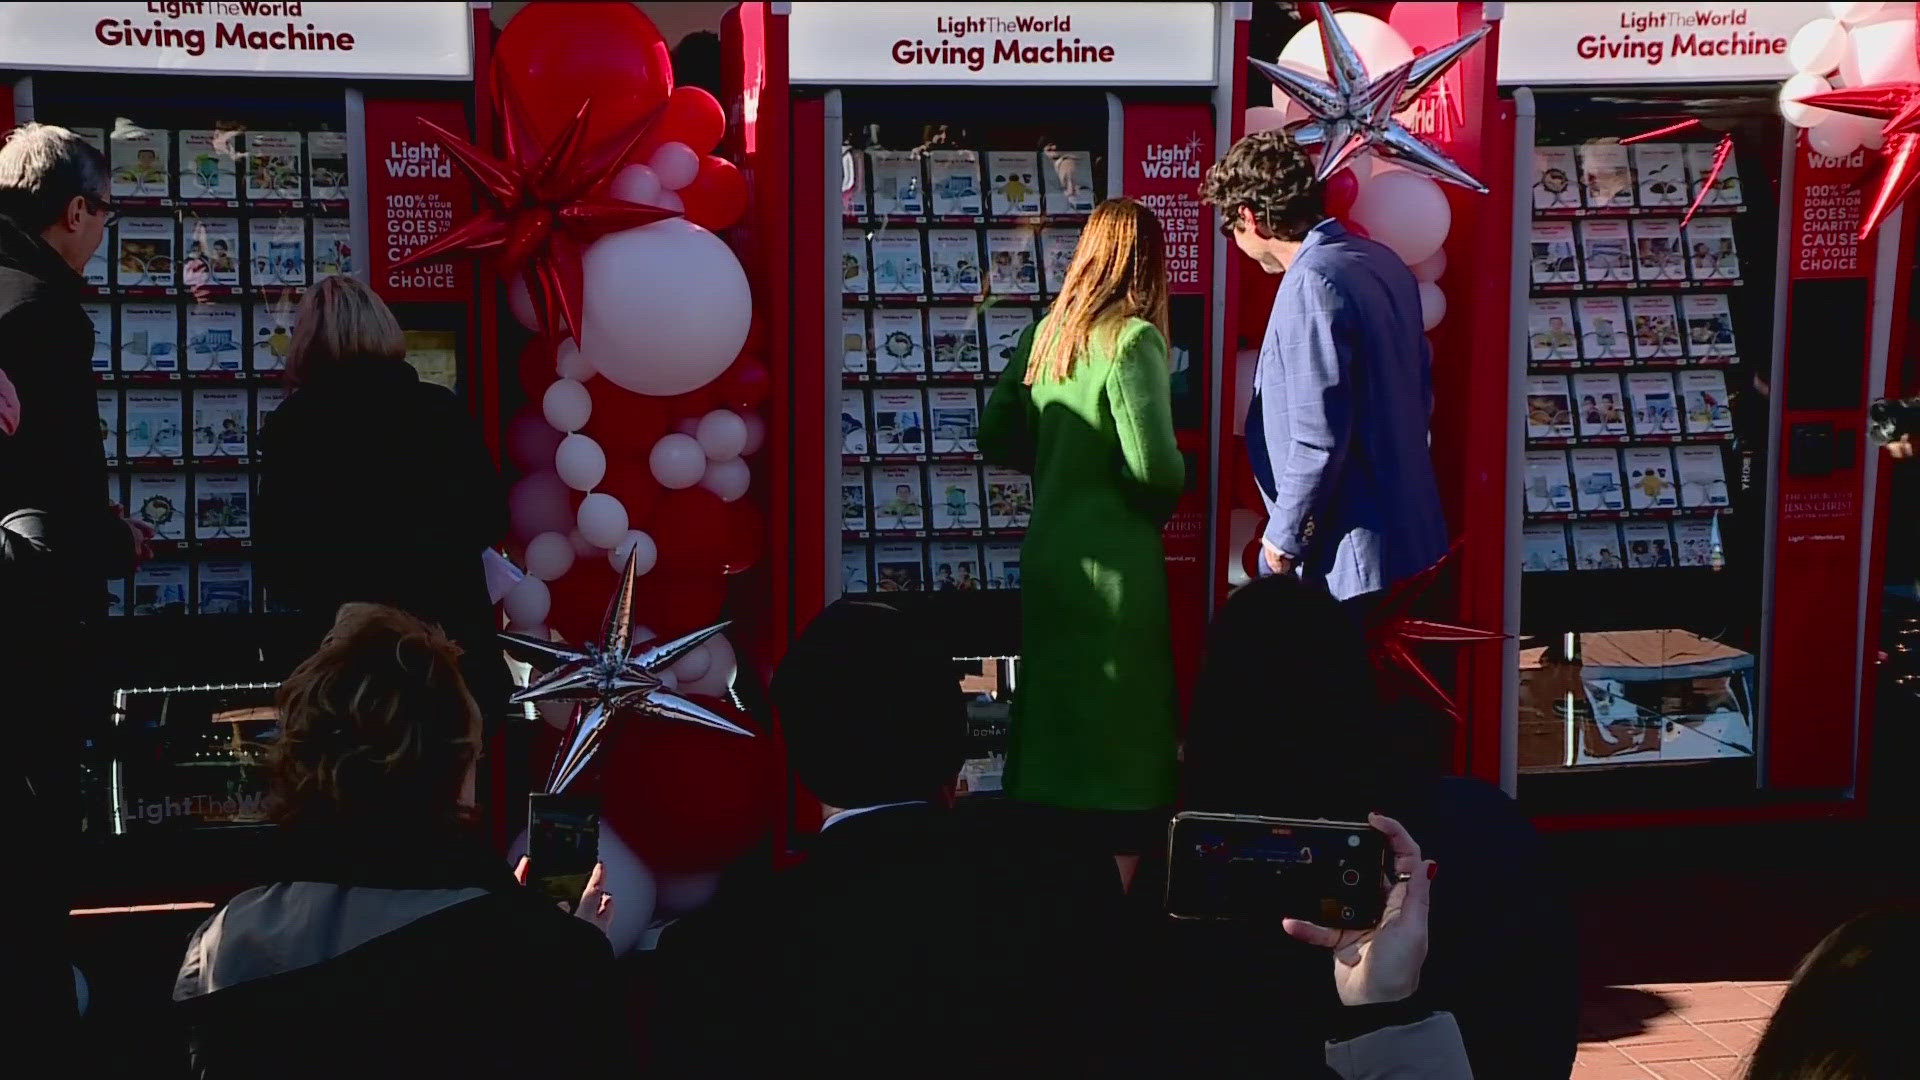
(1094, 715)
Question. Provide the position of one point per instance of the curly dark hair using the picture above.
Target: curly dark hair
(1271, 176)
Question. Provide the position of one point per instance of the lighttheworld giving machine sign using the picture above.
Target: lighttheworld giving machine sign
(1138, 44)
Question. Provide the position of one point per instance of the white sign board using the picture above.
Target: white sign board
(229, 37)
(1548, 44)
(847, 44)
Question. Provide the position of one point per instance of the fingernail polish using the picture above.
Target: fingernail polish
(1433, 870)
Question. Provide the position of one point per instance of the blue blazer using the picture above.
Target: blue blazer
(1337, 431)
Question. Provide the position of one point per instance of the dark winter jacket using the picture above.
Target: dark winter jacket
(383, 955)
(56, 462)
(375, 486)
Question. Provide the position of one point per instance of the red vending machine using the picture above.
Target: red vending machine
(1696, 331)
(920, 173)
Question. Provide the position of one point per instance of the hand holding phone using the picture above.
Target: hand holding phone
(1249, 868)
(563, 856)
(1382, 964)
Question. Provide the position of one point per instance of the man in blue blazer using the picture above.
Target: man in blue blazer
(1337, 432)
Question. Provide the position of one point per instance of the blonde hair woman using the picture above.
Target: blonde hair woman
(376, 486)
(1084, 407)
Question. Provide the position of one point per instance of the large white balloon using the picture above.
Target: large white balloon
(1433, 305)
(1380, 46)
(1431, 267)
(627, 880)
(1817, 47)
(676, 164)
(528, 602)
(722, 435)
(719, 677)
(549, 556)
(683, 894)
(1851, 13)
(667, 307)
(694, 666)
(520, 303)
(1880, 52)
(677, 461)
(638, 544)
(569, 364)
(756, 433)
(1265, 118)
(636, 184)
(580, 462)
(566, 405)
(1408, 213)
(603, 521)
(728, 479)
(1797, 87)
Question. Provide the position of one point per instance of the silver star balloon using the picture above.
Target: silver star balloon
(1353, 113)
(607, 676)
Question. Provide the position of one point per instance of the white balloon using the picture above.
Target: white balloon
(683, 894)
(1817, 47)
(1833, 138)
(549, 556)
(641, 546)
(667, 200)
(1880, 52)
(529, 601)
(568, 362)
(583, 548)
(756, 433)
(667, 307)
(722, 435)
(1265, 117)
(1431, 267)
(566, 405)
(1408, 213)
(719, 677)
(1380, 46)
(1797, 87)
(676, 164)
(677, 461)
(520, 303)
(636, 184)
(603, 521)
(627, 880)
(693, 666)
(728, 479)
(580, 462)
(1433, 305)
(1854, 12)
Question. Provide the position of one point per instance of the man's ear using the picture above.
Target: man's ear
(74, 212)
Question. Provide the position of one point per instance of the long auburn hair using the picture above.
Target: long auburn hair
(1844, 1015)
(1119, 271)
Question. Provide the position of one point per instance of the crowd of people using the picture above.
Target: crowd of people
(917, 935)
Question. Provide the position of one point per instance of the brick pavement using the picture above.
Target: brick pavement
(1672, 1031)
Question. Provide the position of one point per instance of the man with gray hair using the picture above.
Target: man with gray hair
(53, 215)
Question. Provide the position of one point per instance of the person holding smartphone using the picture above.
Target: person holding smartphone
(394, 942)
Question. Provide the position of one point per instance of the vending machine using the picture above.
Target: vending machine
(920, 173)
(1696, 332)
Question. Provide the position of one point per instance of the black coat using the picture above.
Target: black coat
(911, 942)
(375, 486)
(56, 462)
(412, 955)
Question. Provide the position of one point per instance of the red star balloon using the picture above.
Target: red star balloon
(1720, 155)
(1898, 104)
(546, 206)
(1392, 633)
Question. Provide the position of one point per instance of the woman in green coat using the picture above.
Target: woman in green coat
(1084, 408)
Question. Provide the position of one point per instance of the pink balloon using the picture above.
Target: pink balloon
(539, 503)
(1408, 213)
(531, 441)
(1433, 305)
(722, 435)
(675, 164)
(1266, 117)
(1880, 52)
(756, 433)
(728, 479)
(677, 461)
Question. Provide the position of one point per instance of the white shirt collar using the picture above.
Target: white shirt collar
(844, 814)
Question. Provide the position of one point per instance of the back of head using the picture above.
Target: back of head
(1844, 1016)
(1272, 178)
(1118, 272)
(341, 323)
(376, 727)
(870, 706)
(42, 169)
(1286, 716)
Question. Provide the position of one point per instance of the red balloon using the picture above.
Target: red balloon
(580, 600)
(631, 481)
(745, 384)
(688, 797)
(674, 604)
(554, 56)
(690, 529)
(625, 424)
(745, 537)
(536, 369)
(718, 195)
(1342, 188)
(692, 116)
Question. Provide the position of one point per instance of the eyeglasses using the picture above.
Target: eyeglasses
(102, 206)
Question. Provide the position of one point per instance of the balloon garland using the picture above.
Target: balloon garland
(1857, 84)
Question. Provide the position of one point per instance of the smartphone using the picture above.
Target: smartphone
(563, 843)
(1263, 869)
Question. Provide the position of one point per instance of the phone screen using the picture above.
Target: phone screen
(1265, 869)
(563, 843)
